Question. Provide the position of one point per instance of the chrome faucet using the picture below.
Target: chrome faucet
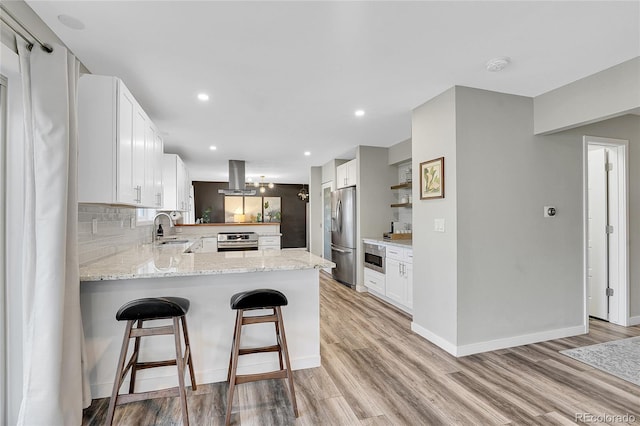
(153, 228)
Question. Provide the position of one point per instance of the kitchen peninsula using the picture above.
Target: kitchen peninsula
(208, 280)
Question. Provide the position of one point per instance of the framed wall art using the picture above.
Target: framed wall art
(432, 179)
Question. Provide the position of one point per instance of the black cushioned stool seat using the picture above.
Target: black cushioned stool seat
(137, 312)
(255, 299)
(153, 308)
(252, 300)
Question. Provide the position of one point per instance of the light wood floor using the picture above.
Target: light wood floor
(375, 371)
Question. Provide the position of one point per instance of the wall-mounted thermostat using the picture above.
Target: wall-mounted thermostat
(549, 211)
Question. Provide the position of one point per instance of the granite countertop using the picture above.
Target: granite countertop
(170, 260)
(399, 243)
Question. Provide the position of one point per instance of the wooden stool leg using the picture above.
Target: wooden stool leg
(278, 340)
(233, 342)
(134, 359)
(187, 350)
(288, 360)
(118, 379)
(235, 351)
(180, 365)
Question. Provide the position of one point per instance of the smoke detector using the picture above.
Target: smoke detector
(498, 64)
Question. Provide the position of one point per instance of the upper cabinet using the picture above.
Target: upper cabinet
(118, 146)
(176, 183)
(347, 174)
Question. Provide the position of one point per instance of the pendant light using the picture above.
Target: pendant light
(303, 194)
(262, 186)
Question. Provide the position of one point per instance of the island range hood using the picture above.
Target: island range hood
(237, 182)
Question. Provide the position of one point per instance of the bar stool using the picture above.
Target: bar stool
(138, 311)
(251, 300)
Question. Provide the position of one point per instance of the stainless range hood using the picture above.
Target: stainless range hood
(237, 180)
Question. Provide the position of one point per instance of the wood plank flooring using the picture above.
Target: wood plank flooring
(375, 371)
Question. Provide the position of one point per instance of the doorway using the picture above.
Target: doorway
(606, 218)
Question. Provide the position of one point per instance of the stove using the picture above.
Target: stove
(237, 241)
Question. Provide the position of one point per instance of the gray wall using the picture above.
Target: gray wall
(400, 152)
(314, 224)
(435, 272)
(329, 170)
(518, 272)
(374, 197)
(625, 127)
(609, 93)
(500, 270)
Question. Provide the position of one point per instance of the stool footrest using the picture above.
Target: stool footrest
(245, 378)
(152, 331)
(247, 351)
(153, 364)
(140, 396)
(259, 319)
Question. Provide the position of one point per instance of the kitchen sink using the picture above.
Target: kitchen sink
(174, 242)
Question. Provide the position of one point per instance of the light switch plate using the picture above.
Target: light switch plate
(438, 225)
(94, 226)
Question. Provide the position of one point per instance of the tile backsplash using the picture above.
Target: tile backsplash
(113, 231)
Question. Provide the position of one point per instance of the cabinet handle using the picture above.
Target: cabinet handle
(138, 190)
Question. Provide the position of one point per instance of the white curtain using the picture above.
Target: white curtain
(55, 388)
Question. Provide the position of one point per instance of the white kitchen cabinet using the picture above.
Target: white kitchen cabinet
(346, 174)
(113, 150)
(176, 183)
(399, 275)
(269, 242)
(210, 244)
(152, 195)
(375, 281)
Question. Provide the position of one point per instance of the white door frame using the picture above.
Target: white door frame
(330, 185)
(4, 389)
(621, 288)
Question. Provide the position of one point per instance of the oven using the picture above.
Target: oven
(374, 255)
(237, 241)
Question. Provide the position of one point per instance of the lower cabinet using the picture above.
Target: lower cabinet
(374, 280)
(396, 284)
(400, 282)
(271, 242)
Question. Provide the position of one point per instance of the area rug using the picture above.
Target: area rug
(620, 358)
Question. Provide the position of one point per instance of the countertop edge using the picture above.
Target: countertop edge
(398, 243)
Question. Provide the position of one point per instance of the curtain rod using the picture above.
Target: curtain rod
(47, 48)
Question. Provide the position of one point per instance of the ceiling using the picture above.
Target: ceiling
(286, 77)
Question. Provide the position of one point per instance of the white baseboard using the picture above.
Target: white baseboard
(634, 320)
(435, 339)
(168, 379)
(493, 345)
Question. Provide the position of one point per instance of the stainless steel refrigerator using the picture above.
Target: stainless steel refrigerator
(343, 235)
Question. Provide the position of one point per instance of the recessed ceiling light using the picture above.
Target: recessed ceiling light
(307, 153)
(203, 97)
(359, 112)
(71, 22)
(498, 64)
(212, 148)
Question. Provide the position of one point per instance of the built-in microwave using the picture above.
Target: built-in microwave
(374, 255)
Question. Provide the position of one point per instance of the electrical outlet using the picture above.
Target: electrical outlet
(94, 226)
